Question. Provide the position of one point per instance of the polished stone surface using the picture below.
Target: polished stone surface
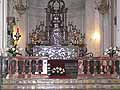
(62, 84)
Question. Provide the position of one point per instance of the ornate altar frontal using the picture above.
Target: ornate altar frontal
(57, 39)
(56, 52)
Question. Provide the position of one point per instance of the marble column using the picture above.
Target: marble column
(4, 23)
(1, 23)
(106, 30)
(91, 27)
(118, 24)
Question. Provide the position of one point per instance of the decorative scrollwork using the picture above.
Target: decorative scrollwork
(103, 6)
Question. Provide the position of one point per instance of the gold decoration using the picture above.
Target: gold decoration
(103, 6)
(20, 7)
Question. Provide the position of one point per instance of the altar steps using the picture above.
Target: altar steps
(61, 84)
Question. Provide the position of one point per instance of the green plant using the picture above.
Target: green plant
(111, 51)
(13, 51)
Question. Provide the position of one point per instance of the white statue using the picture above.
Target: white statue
(56, 36)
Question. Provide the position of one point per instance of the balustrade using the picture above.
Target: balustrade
(91, 67)
(19, 67)
(102, 67)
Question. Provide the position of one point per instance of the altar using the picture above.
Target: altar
(59, 41)
(57, 38)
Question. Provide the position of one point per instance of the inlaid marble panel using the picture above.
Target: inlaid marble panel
(56, 52)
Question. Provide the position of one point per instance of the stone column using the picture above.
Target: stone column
(4, 23)
(1, 23)
(113, 22)
(105, 26)
(91, 27)
(118, 24)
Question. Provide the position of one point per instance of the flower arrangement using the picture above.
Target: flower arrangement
(111, 51)
(13, 51)
(58, 71)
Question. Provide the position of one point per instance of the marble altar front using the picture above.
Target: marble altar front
(56, 52)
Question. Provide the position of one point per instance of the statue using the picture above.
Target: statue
(56, 33)
(56, 36)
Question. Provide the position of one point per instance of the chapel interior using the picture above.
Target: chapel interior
(59, 44)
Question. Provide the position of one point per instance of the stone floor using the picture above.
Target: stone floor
(61, 84)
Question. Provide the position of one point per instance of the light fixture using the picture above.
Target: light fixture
(16, 36)
(103, 6)
(96, 36)
(20, 6)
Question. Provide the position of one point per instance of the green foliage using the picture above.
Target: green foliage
(13, 51)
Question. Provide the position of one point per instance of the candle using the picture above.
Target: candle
(18, 30)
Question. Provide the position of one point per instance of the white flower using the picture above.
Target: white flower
(114, 48)
(106, 50)
(57, 68)
(105, 53)
(43, 54)
(48, 64)
(16, 51)
(61, 72)
(57, 71)
(39, 52)
(20, 49)
(36, 55)
(119, 54)
(48, 67)
(49, 74)
(60, 68)
(53, 71)
(13, 49)
(110, 48)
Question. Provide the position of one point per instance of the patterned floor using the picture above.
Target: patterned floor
(61, 84)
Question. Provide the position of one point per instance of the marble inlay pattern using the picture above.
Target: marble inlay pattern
(56, 52)
(63, 84)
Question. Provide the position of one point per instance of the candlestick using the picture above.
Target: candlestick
(18, 30)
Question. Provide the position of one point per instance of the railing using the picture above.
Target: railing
(29, 67)
(20, 67)
(99, 67)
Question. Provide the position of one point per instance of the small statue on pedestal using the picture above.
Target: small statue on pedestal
(56, 32)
